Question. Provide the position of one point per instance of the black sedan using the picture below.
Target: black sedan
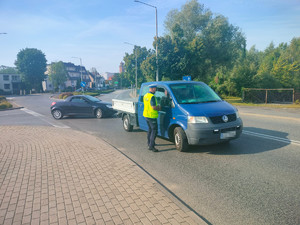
(84, 105)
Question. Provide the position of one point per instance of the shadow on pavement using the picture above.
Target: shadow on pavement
(252, 141)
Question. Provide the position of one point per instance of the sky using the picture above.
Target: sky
(95, 30)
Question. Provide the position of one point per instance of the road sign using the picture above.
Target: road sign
(83, 84)
(187, 78)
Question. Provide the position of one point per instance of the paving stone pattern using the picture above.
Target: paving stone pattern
(61, 176)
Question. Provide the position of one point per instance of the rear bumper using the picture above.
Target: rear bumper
(205, 134)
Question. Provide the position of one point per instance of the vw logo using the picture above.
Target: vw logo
(225, 118)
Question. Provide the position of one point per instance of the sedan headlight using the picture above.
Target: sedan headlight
(237, 114)
(197, 119)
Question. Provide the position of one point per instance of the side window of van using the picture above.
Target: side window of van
(160, 92)
(163, 97)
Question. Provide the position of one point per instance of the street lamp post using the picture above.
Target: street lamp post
(80, 69)
(136, 83)
(156, 34)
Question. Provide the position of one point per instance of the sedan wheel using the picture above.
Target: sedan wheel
(57, 114)
(99, 113)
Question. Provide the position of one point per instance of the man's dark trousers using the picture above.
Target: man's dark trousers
(152, 131)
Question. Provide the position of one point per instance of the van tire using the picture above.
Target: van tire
(180, 139)
(126, 123)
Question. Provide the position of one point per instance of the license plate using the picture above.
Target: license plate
(228, 134)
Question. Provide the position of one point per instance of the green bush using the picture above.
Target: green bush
(91, 93)
(2, 98)
(87, 93)
(65, 95)
(5, 105)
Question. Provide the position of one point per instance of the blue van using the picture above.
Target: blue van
(191, 114)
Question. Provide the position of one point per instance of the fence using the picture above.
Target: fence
(279, 96)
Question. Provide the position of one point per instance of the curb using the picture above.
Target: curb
(13, 108)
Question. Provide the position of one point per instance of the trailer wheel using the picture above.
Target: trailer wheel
(180, 139)
(126, 123)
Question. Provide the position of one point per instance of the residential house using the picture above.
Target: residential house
(75, 74)
(97, 80)
(10, 83)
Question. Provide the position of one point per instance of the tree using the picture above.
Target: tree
(202, 43)
(193, 19)
(8, 70)
(173, 55)
(287, 67)
(57, 74)
(31, 63)
(223, 43)
(129, 59)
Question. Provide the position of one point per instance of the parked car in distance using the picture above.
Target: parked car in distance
(83, 105)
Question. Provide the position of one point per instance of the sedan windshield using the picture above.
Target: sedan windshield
(194, 93)
(93, 99)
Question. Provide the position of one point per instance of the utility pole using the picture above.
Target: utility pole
(157, 77)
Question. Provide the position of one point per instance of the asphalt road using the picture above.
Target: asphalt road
(253, 180)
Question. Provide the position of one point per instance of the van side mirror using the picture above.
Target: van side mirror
(172, 104)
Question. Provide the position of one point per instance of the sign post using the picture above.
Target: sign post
(82, 84)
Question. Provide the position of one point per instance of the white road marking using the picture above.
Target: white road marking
(9, 114)
(284, 140)
(272, 116)
(43, 118)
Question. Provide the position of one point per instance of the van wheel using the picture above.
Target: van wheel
(126, 124)
(181, 142)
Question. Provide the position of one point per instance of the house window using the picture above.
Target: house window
(5, 77)
(6, 86)
(14, 78)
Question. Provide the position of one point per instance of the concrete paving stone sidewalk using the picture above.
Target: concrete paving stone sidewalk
(61, 176)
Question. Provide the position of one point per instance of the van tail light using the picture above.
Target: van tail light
(53, 103)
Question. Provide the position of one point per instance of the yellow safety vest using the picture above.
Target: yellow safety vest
(149, 112)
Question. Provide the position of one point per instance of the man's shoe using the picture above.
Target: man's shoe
(153, 149)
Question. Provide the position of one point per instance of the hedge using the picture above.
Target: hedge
(65, 95)
(5, 105)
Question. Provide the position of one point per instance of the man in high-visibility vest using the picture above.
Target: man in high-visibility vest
(151, 114)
